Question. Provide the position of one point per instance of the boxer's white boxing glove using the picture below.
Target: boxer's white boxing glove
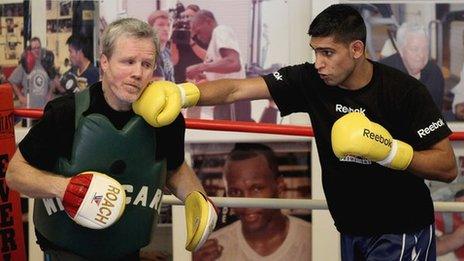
(94, 200)
(161, 101)
(354, 134)
(200, 218)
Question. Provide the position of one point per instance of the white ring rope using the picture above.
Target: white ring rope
(280, 203)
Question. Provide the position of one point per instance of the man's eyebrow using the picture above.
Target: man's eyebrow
(319, 49)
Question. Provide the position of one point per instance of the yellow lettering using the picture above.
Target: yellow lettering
(107, 203)
(101, 219)
(114, 189)
(108, 211)
(111, 196)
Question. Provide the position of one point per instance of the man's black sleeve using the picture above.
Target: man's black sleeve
(52, 136)
(170, 143)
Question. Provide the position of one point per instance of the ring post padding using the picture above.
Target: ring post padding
(11, 226)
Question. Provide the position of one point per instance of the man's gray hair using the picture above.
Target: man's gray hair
(127, 27)
(408, 28)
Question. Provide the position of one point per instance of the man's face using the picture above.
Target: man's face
(74, 56)
(254, 179)
(35, 48)
(188, 14)
(202, 28)
(128, 71)
(415, 52)
(334, 60)
(163, 28)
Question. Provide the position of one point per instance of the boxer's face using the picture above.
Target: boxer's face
(254, 179)
(335, 61)
(128, 71)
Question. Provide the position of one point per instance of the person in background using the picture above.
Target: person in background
(30, 80)
(188, 53)
(222, 61)
(82, 70)
(251, 171)
(81, 59)
(164, 70)
(413, 58)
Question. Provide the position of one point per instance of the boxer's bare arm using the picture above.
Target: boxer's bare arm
(183, 181)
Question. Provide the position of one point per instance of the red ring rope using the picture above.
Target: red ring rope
(237, 126)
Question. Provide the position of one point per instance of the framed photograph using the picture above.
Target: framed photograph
(425, 40)
(255, 170)
(65, 7)
(449, 225)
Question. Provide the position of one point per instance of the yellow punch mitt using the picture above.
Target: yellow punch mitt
(161, 101)
(354, 134)
(201, 217)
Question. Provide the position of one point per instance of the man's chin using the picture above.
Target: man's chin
(129, 98)
(252, 227)
(331, 83)
(252, 223)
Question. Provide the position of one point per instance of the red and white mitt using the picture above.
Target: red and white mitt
(94, 200)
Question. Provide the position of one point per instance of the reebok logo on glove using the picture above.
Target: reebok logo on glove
(377, 137)
(431, 128)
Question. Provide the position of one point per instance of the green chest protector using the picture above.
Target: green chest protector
(127, 155)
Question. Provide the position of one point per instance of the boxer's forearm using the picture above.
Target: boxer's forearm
(183, 181)
(33, 182)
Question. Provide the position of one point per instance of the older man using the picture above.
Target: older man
(413, 58)
(97, 130)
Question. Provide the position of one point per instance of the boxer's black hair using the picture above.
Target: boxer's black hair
(243, 151)
(340, 21)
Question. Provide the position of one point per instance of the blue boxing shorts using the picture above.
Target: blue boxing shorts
(418, 245)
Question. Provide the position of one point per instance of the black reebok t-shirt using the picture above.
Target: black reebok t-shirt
(52, 137)
(364, 197)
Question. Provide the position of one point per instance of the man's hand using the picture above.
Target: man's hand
(201, 217)
(354, 134)
(211, 250)
(161, 102)
(193, 71)
(94, 200)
